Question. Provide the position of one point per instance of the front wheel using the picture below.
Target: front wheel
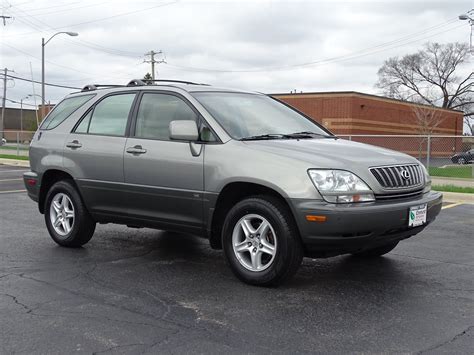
(461, 161)
(66, 217)
(375, 252)
(261, 242)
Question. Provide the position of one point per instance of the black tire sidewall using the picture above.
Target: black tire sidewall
(283, 235)
(82, 221)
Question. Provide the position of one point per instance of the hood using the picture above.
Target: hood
(332, 153)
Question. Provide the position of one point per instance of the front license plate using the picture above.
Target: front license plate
(417, 216)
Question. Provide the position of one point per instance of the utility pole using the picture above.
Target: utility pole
(4, 100)
(4, 18)
(153, 61)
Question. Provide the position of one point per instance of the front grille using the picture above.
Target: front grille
(417, 192)
(398, 176)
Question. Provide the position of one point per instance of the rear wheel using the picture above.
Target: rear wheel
(375, 252)
(261, 242)
(67, 220)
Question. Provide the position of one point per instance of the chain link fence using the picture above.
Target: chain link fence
(15, 143)
(444, 156)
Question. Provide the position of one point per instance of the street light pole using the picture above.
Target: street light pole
(470, 17)
(43, 44)
(21, 111)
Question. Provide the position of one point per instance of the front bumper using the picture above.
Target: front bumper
(350, 228)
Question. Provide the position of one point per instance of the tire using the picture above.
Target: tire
(241, 239)
(375, 252)
(74, 231)
(461, 161)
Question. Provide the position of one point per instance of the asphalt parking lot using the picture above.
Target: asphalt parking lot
(147, 291)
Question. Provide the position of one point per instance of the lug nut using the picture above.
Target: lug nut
(249, 244)
(260, 246)
(254, 250)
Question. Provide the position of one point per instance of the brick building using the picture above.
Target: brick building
(352, 113)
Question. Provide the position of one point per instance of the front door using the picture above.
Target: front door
(164, 180)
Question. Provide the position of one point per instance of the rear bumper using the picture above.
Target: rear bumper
(354, 227)
(31, 181)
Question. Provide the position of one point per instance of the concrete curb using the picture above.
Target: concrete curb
(14, 162)
(456, 197)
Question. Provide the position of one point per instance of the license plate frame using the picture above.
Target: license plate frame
(417, 215)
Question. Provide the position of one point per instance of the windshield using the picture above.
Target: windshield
(252, 115)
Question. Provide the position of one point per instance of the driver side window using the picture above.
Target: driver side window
(155, 113)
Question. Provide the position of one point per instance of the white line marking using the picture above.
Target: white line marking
(10, 180)
(452, 205)
(11, 191)
(12, 171)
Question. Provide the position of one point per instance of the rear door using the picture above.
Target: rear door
(93, 152)
(164, 180)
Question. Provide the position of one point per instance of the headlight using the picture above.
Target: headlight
(340, 186)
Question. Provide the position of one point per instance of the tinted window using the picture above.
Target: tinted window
(155, 113)
(84, 125)
(110, 115)
(63, 110)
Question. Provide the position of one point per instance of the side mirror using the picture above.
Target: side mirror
(184, 130)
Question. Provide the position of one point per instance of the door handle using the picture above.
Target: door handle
(74, 144)
(136, 150)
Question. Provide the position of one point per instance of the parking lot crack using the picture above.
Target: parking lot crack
(15, 299)
(449, 341)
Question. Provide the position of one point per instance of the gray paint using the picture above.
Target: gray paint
(175, 184)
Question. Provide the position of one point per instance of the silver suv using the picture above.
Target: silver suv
(256, 177)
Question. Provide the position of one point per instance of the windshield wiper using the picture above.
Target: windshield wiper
(264, 136)
(296, 135)
(308, 134)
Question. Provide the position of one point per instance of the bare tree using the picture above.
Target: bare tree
(431, 76)
(427, 119)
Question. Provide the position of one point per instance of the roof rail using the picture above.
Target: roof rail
(143, 82)
(137, 82)
(178, 81)
(92, 87)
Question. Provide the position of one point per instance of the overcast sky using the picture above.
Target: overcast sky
(269, 46)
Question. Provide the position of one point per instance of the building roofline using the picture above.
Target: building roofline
(364, 95)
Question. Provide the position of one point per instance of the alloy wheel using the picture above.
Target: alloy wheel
(254, 242)
(61, 213)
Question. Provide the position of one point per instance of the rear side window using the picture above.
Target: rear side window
(109, 117)
(63, 110)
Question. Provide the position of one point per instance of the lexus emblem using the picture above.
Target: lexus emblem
(405, 174)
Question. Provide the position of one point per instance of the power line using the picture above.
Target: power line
(39, 82)
(353, 55)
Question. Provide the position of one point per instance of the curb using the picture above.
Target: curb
(457, 197)
(14, 162)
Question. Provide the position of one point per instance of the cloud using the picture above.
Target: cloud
(237, 39)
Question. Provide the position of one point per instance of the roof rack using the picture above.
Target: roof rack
(92, 87)
(137, 82)
(142, 82)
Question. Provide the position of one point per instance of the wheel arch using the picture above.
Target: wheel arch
(232, 193)
(48, 179)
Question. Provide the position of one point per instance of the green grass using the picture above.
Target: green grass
(9, 147)
(452, 171)
(18, 157)
(452, 188)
